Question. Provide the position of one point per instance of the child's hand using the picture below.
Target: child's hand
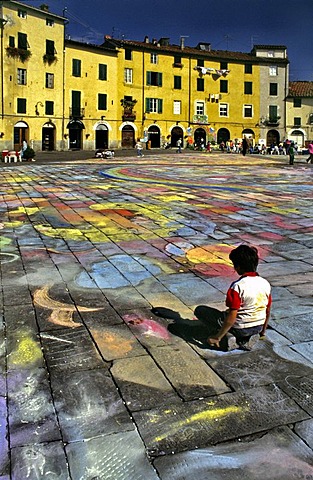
(213, 342)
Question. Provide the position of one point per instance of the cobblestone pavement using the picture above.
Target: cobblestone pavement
(93, 384)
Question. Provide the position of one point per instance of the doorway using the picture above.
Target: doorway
(223, 135)
(48, 137)
(272, 137)
(21, 133)
(154, 136)
(75, 129)
(128, 137)
(102, 136)
(176, 133)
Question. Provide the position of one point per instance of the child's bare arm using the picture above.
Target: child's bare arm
(227, 324)
(268, 312)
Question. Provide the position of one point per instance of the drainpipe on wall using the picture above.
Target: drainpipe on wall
(2, 24)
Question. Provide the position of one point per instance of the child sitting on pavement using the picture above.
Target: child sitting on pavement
(248, 300)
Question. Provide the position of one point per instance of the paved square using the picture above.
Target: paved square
(92, 382)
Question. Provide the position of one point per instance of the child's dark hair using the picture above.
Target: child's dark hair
(245, 257)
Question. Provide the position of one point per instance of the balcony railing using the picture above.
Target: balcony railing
(271, 121)
(128, 115)
(77, 112)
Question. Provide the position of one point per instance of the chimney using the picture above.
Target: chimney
(146, 40)
(182, 43)
(44, 7)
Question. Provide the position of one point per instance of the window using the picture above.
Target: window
(49, 22)
(247, 111)
(177, 61)
(223, 109)
(177, 107)
(270, 53)
(154, 105)
(21, 105)
(102, 71)
(154, 78)
(297, 103)
(177, 82)
(200, 63)
(22, 41)
(248, 68)
(21, 76)
(224, 86)
(11, 41)
(273, 89)
(22, 13)
(223, 66)
(200, 84)
(272, 110)
(273, 70)
(248, 88)
(128, 54)
(102, 101)
(128, 75)
(50, 50)
(49, 80)
(76, 67)
(199, 108)
(49, 108)
(154, 58)
(297, 121)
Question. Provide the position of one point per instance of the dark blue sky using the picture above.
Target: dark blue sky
(226, 24)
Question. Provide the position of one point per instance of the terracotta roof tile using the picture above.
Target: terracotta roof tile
(300, 89)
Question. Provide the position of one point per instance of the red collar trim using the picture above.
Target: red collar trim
(250, 274)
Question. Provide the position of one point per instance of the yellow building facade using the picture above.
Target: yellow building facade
(60, 94)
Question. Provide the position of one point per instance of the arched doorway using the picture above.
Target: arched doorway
(48, 137)
(297, 137)
(75, 128)
(199, 135)
(176, 133)
(102, 136)
(249, 135)
(128, 136)
(154, 136)
(223, 135)
(21, 133)
(272, 137)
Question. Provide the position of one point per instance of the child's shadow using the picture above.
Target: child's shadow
(195, 332)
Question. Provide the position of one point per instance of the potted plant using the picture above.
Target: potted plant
(29, 154)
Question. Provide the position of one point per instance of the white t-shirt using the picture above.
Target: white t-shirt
(250, 295)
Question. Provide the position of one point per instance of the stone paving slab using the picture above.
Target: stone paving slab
(292, 327)
(88, 405)
(191, 377)
(20, 317)
(256, 368)
(39, 461)
(215, 420)
(299, 389)
(116, 341)
(70, 350)
(32, 416)
(4, 447)
(118, 456)
(305, 349)
(276, 455)
(305, 431)
(142, 384)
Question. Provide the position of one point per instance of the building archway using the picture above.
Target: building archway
(102, 136)
(21, 133)
(297, 136)
(75, 128)
(176, 133)
(272, 137)
(223, 135)
(128, 136)
(154, 136)
(200, 134)
(48, 137)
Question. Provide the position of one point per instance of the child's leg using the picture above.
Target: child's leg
(211, 317)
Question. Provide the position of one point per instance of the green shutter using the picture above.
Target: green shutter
(160, 79)
(22, 41)
(102, 71)
(148, 78)
(147, 105)
(160, 105)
